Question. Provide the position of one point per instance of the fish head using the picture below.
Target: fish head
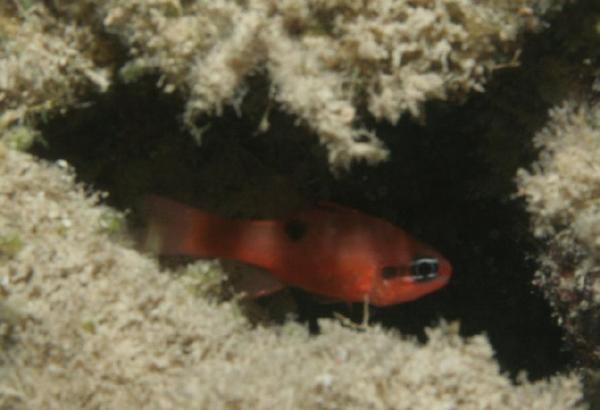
(416, 271)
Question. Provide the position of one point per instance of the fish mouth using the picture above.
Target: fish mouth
(427, 279)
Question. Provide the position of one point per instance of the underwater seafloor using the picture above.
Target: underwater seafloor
(494, 166)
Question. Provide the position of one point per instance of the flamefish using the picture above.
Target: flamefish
(329, 250)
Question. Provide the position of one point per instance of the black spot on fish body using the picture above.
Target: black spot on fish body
(295, 229)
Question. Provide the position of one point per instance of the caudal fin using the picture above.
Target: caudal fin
(177, 229)
(172, 228)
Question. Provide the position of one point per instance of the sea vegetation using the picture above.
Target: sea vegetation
(89, 323)
(563, 196)
(332, 64)
(88, 320)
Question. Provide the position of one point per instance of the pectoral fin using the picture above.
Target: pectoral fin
(250, 280)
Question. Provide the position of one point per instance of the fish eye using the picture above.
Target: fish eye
(424, 269)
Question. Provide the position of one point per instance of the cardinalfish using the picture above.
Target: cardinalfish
(330, 250)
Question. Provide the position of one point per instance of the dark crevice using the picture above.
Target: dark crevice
(449, 182)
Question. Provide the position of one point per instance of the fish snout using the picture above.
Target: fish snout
(444, 269)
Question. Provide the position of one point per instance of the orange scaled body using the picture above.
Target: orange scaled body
(330, 250)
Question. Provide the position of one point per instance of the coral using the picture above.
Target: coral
(88, 322)
(329, 62)
(21, 138)
(563, 197)
(95, 324)
(45, 65)
(333, 64)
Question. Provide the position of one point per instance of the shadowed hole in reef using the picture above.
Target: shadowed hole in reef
(449, 183)
(440, 185)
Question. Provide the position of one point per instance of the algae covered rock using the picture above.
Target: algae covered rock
(46, 64)
(563, 196)
(89, 323)
(335, 65)
(329, 62)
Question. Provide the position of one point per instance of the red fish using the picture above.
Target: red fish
(330, 250)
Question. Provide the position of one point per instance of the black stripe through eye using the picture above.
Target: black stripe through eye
(389, 272)
(424, 269)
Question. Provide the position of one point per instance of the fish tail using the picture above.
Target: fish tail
(175, 229)
(178, 229)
